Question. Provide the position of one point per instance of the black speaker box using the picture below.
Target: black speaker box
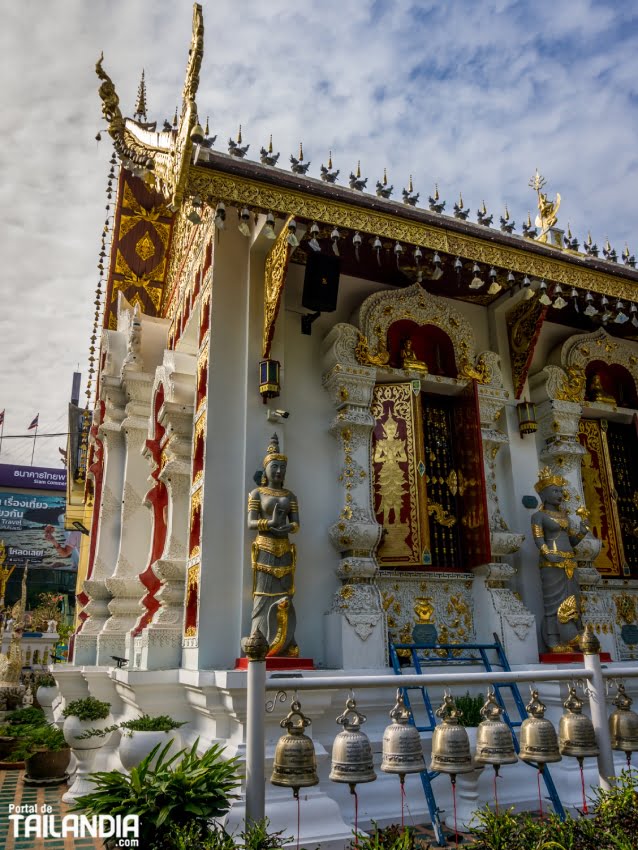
(321, 282)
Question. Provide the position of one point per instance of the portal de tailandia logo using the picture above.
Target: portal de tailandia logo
(34, 821)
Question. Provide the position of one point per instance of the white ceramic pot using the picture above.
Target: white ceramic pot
(84, 751)
(136, 745)
(46, 697)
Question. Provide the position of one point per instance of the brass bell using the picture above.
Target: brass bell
(494, 740)
(537, 739)
(450, 743)
(576, 735)
(351, 750)
(402, 749)
(623, 724)
(295, 765)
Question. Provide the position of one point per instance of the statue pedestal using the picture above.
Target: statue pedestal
(568, 657)
(276, 663)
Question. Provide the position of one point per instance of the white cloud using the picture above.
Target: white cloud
(472, 95)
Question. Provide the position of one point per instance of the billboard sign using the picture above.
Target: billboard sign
(32, 477)
(32, 528)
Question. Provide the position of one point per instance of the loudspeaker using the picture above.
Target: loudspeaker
(321, 282)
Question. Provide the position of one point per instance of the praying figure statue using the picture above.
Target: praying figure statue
(555, 535)
(273, 512)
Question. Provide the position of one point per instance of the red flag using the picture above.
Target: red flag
(2, 418)
(34, 424)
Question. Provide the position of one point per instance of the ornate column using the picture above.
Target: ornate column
(124, 585)
(159, 645)
(355, 627)
(108, 523)
(496, 608)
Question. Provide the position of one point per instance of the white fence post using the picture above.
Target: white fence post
(590, 646)
(255, 647)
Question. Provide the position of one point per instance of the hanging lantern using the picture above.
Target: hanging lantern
(537, 739)
(351, 750)
(269, 385)
(402, 750)
(576, 736)
(494, 741)
(450, 743)
(526, 413)
(295, 765)
(623, 724)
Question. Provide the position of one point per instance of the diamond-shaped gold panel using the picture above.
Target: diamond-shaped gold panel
(145, 247)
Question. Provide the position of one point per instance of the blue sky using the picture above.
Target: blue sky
(472, 94)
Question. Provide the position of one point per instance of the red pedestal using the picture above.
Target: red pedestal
(277, 663)
(567, 657)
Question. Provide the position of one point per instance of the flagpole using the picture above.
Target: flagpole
(34, 437)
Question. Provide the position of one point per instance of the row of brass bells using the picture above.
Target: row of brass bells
(450, 743)
(494, 740)
(351, 750)
(402, 749)
(576, 735)
(537, 738)
(623, 724)
(295, 765)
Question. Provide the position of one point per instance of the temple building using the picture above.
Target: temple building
(422, 373)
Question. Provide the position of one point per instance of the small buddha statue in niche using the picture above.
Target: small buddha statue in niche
(410, 361)
(597, 392)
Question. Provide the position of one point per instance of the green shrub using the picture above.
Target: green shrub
(181, 790)
(392, 837)
(27, 717)
(470, 706)
(88, 708)
(37, 739)
(148, 723)
(45, 680)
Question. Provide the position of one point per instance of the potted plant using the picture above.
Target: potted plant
(143, 734)
(15, 730)
(46, 693)
(167, 792)
(83, 715)
(45, 753)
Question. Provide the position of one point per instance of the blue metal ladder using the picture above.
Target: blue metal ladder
(446, 654)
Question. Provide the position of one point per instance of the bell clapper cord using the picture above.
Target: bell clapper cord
(353, 791)
(540, 798)
(456, 829)
(496, 768)
(402, 782)
(295, 792)
(582, 783)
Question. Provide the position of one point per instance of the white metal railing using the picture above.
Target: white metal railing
(258, 684)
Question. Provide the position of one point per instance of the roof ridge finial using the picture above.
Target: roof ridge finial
(270, 144)
(436, 191)
(175, 118)
(358, 168)
(330, 160)
(507, 213)
(239, 136)
(300, 151)
(207, 128)
(140, 103)
(385, 177)
(410, 186)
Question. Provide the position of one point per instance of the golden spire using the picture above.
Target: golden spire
(330, 160)
(607, 245)
(529, 218)
(589, 239)
(207, 130)
(461, 200)
(410, 187)
(436, 191)
(300, 151)
(507, 213)
(385, 177)
(175, 118)
(239, 136)
(484, 210)
(140, 105)
(569, 231)
(358, 168)
(270, 144)
(625, 253)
